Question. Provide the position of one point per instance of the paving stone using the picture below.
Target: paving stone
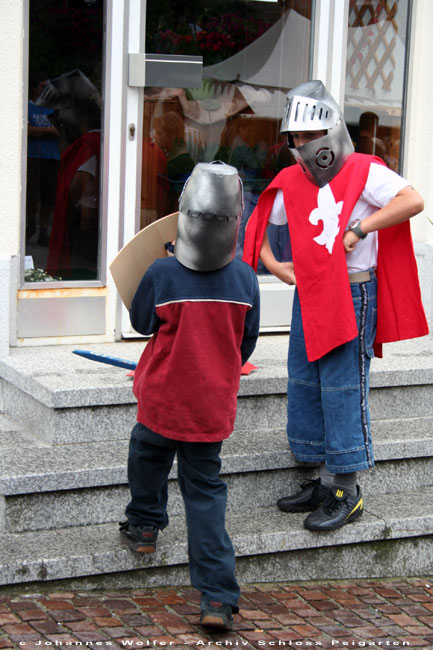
(148, 631)
(367, 631)
(388, 609)
(388, 593)
(94, 611)
(133, 620)
(416, 610)
(46, 627)
(417, 630)
(18, 606)
(63, 615)
(81, 626)
(57, 604)
(17, 628)
(107, 621)
(92, 637)
(115, 632)
(23, 638)
(402, 619)
(416, 642)
(421, 598)
(171, 598)
(313, 595)
(334, 631)
(33, 615)
(8, 618)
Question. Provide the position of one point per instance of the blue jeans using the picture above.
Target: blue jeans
(210, 551)
(328, 415)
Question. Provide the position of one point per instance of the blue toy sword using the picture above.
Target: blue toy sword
(131, 365)
(106, 358)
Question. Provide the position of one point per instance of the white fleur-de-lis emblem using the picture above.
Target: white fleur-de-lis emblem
(328, 212)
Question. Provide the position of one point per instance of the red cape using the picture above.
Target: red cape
(72, 158)
(322, 278)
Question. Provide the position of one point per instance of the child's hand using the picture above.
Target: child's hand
(349, 241)
(286, 273)
(169, 247)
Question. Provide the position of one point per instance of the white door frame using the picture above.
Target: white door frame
(122, 150)
(330, 45)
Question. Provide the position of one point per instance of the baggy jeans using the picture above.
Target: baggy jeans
(328, 413)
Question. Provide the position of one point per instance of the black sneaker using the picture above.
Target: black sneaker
(215, 614)
(339, 509)
(311, 495)
(141, 539)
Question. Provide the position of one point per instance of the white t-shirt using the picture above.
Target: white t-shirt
(381, 187)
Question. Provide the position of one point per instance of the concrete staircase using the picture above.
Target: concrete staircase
(64, 433)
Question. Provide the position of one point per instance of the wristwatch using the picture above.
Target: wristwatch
(355, 227)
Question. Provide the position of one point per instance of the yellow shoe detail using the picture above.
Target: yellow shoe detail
(339, 493)
(358, 506)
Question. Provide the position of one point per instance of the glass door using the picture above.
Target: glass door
(61, 292)
(253, 52)
(64, 140)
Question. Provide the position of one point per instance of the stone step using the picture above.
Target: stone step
(38, 467)
(68, 485)
(102, 422)
(270, 545)
(64, 398)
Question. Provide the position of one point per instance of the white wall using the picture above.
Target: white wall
(419, 121)
(11, 119)
(419, 142)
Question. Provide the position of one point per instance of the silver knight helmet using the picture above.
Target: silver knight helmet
(309, 107)
(210, 209)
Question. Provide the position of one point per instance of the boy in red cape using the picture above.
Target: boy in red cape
(348, 217)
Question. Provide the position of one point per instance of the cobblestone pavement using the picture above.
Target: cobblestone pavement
(345, 614)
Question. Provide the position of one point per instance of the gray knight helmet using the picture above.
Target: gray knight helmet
(210, 209)
(309, 107)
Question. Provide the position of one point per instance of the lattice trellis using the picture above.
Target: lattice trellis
(371, 52)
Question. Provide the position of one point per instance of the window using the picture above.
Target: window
(64, 140)
(376, 61)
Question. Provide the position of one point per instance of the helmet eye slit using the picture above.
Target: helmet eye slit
(209, 216)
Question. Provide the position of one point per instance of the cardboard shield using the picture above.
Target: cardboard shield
(132, 261)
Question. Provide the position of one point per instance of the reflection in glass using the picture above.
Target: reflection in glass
(64, 136)
(253, 53)
(376, 59)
